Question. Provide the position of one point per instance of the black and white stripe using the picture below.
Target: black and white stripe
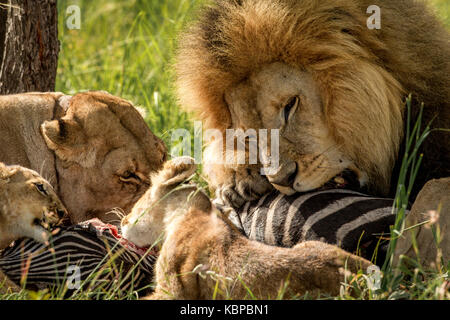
(79, 245)
(341, 217)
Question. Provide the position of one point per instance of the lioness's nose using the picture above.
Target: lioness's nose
(61, 213)
(285, 176)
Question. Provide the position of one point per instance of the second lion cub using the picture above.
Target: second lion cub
(203, 254)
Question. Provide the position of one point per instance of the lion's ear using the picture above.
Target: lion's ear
(67, 139)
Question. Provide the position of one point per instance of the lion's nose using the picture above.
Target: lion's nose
(285, 176)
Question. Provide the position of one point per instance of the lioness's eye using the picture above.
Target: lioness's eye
(289, 107)
(41, 188)
(130, 177)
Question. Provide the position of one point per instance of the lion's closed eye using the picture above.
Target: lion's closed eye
(290, 108)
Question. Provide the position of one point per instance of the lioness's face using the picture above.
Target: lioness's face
(285, 98)
(105, 154)
(29, 206)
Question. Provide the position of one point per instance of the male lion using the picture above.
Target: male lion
(333, 87)
(94, 148)
(28, 207)
(202, 249)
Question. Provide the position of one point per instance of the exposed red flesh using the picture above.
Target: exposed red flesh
(102, 227)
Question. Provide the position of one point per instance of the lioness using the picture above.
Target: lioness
(28, 207)
(331, 83)
(94, 148)
(202, 248)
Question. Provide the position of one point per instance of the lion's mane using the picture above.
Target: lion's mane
(363, 74)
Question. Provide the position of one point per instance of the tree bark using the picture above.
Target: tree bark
(29, 45)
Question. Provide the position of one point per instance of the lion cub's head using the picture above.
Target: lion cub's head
(155, 214)
(28, 205)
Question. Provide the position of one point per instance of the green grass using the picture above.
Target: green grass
(443, 10)
(126, 47)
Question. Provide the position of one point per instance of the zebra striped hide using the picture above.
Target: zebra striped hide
(341, 217)
(96, 251)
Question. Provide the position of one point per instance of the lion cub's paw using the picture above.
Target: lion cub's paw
(177, 171)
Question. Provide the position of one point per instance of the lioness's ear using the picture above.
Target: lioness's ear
(67, 139)
(5, 173)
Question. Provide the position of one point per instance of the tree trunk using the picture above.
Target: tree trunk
(29, 45)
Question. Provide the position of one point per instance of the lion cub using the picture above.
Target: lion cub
(203, 255)
(28, 207)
